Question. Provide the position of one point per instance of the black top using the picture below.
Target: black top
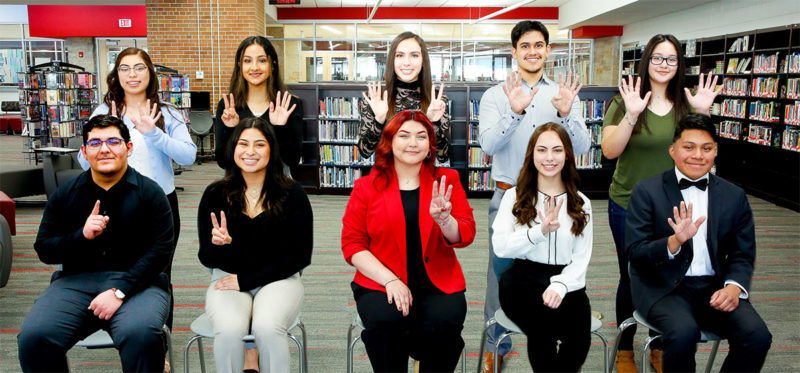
(418, 280)
(290, 135)
(263, 249)
(137, 240)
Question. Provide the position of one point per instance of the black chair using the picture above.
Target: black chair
(201, 123)
(61, 168)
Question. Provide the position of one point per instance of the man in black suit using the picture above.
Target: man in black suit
(691, 242)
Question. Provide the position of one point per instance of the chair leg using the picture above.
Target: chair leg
(620, 328)
(202, 355)
(645, 363)
(186, 353)
(489, 323)
(497, 348)
(304, 367)
(350, 346)
(711, 357)
(168, 336)
(606, 367)
(464, 360)
(299, 349)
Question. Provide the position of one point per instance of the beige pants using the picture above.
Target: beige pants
(266, 313)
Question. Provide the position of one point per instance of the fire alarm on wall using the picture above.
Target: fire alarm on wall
(80, 54)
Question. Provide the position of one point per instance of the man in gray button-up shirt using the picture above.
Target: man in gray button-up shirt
(509, 113)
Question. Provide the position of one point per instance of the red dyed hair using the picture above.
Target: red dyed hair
(384, 157)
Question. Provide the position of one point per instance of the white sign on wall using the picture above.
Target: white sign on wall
(124, 23)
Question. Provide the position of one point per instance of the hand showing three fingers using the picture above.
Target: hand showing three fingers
(279, 111)
(549, 216)
(437, 106)
(440, 202)
(95, 224)
(219, 232)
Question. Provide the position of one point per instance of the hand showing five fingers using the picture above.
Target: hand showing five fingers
(279, 111)
(147, 118)
(631, 94)
(230, 118)
(517, 97)
(219, 234)
(682, 224)
(377, 101)
(701, 101)
(437, 106)
(549, 216)
(440, 202)
(567, 91)
(95, 224)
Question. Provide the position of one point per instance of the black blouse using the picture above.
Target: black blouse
(418, 280)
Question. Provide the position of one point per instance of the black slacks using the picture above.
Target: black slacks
(521, 289)
(681, 314)
(431, 333)
(60, 318)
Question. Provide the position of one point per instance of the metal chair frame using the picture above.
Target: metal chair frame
(351, 342)
(511, 329)
(637, 318)
(201, 327)
(101, 339)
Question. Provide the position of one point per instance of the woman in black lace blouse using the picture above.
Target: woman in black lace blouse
(408, 87)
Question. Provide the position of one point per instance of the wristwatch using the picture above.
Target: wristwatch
(118, 293)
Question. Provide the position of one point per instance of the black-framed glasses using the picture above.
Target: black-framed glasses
(113, 142)
(658, 60)
(140, 68)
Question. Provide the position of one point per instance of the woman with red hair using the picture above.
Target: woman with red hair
(401, 226)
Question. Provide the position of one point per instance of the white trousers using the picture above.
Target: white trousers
(266, 313)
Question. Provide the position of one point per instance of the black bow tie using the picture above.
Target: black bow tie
(700, 184)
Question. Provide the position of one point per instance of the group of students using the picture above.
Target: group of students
(404, 219)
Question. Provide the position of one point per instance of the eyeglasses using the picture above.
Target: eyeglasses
(140, 68)
(113, 142)
(658, 60)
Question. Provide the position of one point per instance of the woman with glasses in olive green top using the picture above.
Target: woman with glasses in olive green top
(638, 130)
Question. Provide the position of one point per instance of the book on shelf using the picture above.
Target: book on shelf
(474, 108)
(342, 155)
(732, 62)
(765, 64)
(792, 63)
(730, 129)
(691, 48)
(589, 160)
(338, 177)
(477, 158)
(480, 180)
(733, 108)
(791, 138)
(792, 88)
(758, 134)
(473, 133)
(339, 107)
(593, 109)
(741, 44)
(792, 114)
(765, 87)
(338, 131)
(719, 67)
(734, 86)
(764, 111)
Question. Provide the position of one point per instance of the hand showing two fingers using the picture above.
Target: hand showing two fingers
(219, 232)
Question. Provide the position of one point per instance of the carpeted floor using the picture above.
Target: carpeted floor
(328, 309)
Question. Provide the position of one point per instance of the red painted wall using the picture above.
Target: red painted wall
(61, 21)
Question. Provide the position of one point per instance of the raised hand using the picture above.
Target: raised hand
(114, 109)
(229, 282)
(682, 224)
(437, 106)
(549, 216)
(440, 202)
(567, 91)
(398, 293)
(219, 234)
(279, 111)
(701, 101)
(551, 299)
(516, 94)
(377, 101)
(95, 224)
(230, 118)
(631, 94)
(147, 118)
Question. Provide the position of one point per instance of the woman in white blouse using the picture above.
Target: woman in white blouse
(545, 224)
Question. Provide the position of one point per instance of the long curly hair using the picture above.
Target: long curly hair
(115, 92)
(384, 157)
(528, 182)
(424, 77)
(674, 93)
(238, 85)
(275, 189)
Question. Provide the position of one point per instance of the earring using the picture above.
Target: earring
(428, 156)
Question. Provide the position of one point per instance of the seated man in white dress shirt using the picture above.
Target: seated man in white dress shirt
(691, 241)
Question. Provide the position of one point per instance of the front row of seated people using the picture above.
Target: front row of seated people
(690, 237)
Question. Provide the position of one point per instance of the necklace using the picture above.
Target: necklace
(252, 194)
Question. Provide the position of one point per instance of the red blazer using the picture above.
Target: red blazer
(374, 221)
